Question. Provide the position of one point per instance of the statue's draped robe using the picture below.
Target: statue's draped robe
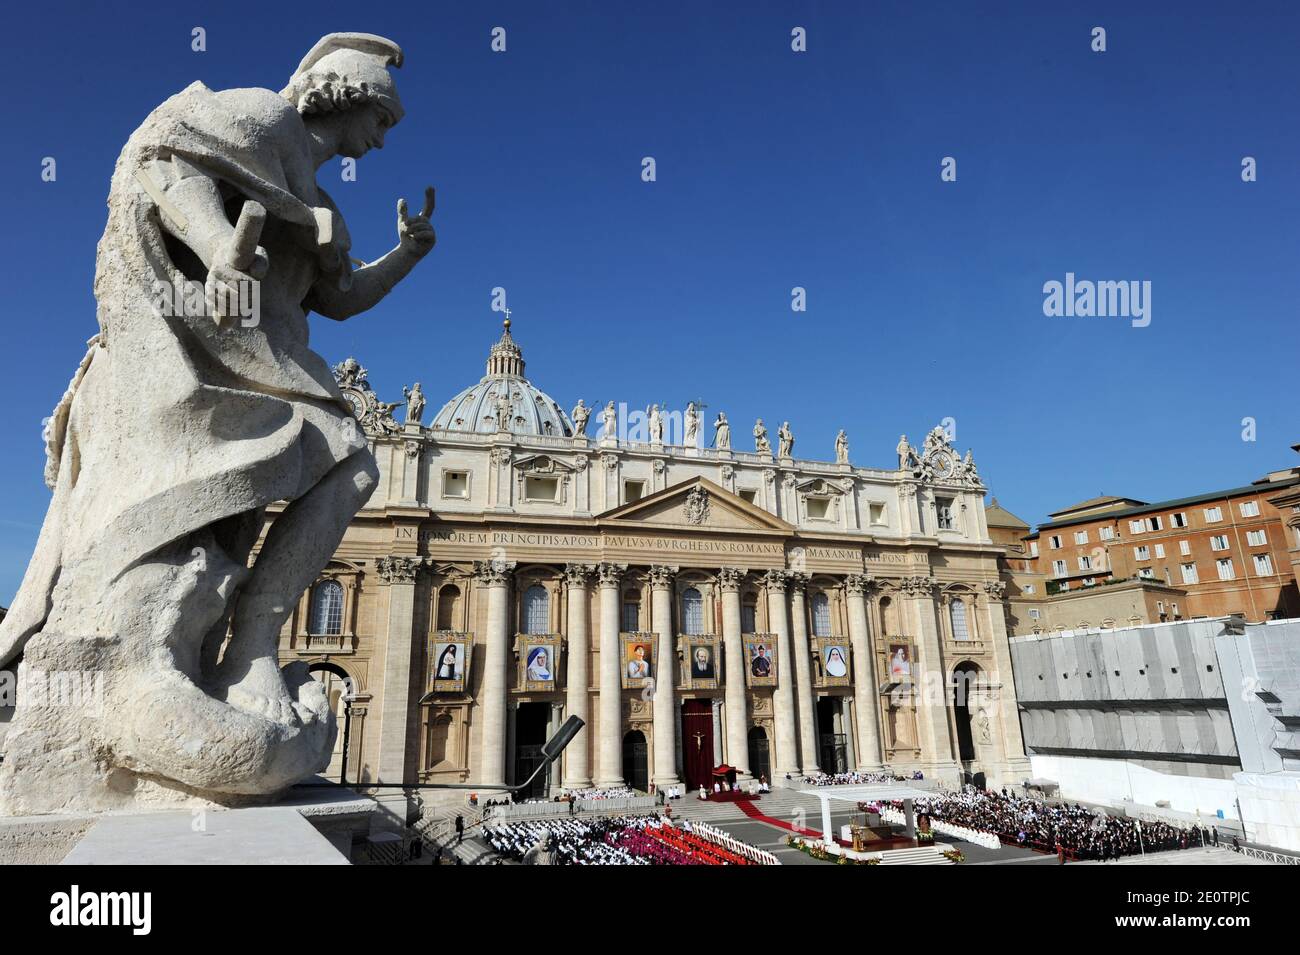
(173, 425)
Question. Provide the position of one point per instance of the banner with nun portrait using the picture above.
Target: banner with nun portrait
(450, 654)
(539, 661)
(834, 662)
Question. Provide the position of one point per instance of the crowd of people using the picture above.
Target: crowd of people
(858, 779)
(610, 840)
(1074, 831)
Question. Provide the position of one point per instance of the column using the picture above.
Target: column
(729, 579)
(787, 755)
(807, 706)
(399, 573)
(932, 689)
(577, 762)
(665, 712)
(494, 580)
(866, 708)
(609, 766)
(1016, 765)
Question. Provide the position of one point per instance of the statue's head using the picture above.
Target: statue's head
(345, 81)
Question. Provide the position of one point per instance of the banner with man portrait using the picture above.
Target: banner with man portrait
(699, 662)
(638, 661)
(760, 659)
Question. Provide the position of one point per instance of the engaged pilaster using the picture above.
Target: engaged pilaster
(577, 762)
(787, 754)
(797, 585)
(609, 771)
(729, 579)
(866, 706)
(665, 677)
(493, 577)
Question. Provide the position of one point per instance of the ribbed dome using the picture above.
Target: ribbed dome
(531, 410)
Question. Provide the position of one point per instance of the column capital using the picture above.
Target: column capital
(661, 576)
(776, 580)
(918, 586)
(576, 576)
(608, 575)
(399, 568)
(796, 583)
(859, 585)
(996, 589)
(493, 573)
(729, 579)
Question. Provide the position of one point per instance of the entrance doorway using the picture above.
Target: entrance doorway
(759, 763)
(531, 720)
(697, 743)
(635, 766)
(833, 747)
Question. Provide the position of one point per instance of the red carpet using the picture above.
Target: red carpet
(890, 842)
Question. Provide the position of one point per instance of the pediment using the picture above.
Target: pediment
(697, 504)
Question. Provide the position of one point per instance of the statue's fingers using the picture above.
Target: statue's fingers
(428, 202)
(401, 210)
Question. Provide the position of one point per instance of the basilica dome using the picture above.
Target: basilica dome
(504, 393)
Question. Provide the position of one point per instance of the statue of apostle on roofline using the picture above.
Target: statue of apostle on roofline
(179, 428)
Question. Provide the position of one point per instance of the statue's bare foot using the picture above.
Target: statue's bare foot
(262, 692)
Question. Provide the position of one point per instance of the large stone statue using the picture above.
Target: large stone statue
(580, 415)
(414, 403)
(841, 448)
(907, 458)
(178, 430)
(785, 440)
(691, 426)
(609, 422)
(722, 433)
(656, 420)
(761, 444)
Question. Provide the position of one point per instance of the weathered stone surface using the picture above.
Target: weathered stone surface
(187, 417)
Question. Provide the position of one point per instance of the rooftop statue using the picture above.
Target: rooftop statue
(177, 431)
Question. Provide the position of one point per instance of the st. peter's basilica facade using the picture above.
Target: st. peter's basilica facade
(693, 605)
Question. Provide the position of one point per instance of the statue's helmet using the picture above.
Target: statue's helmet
(345, 70)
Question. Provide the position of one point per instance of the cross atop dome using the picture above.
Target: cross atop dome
(505, 358)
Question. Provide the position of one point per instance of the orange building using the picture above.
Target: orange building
(1231, 552)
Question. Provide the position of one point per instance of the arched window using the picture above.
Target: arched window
(448, 607)
(692, 611)
(537, 610)
(957, 610)
(888, 618)
(821, 615)
(326, 616)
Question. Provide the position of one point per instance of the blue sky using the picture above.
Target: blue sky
(775, 170)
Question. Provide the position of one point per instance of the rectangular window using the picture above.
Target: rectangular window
(943, 507)
(1213, 515)
(1219, 542)
(1263, 565)
(1190, 576)
(1054, 541)
(747, 494)
(1249, 508)
(1179, 519)
(1160, 550)
(1225, 569)
(1147, 573)
(1033, 548)
(748, 619)
(1185, 548)
(633, 491)
(1137, 527)
(1256, 538)
(1106, 533)
(541, 489)
(1035, 614)
(1154, 523)
(455, 484)
(1085, 562)
(1029, 588)
(819, 509)
(631, 616)
(877, 512)
(1058, 568)
(1081, 537)
(1142, 553)
(1065, 585)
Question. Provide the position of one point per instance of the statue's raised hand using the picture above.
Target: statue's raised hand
(415, 233)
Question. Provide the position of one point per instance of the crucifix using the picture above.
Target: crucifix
(699, 741)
